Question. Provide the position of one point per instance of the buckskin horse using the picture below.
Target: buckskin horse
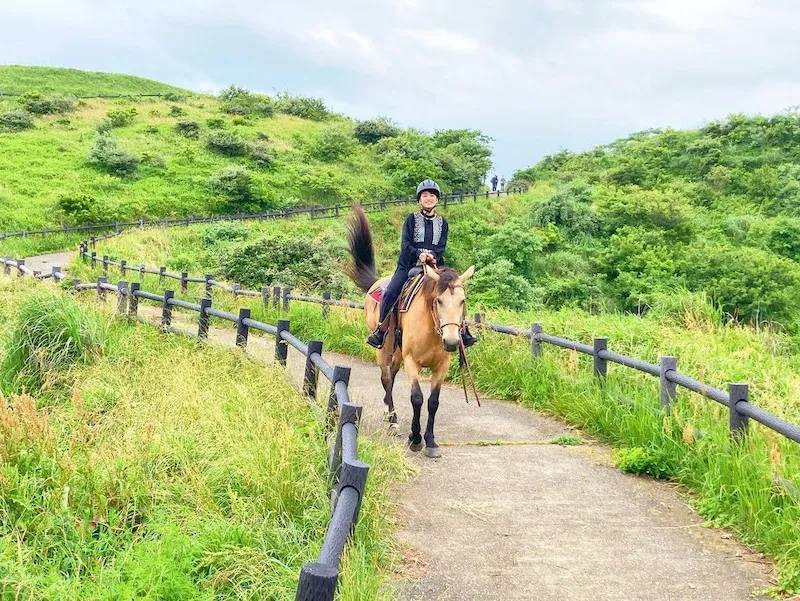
(430, 329)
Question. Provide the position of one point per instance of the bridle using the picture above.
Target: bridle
(440, 326)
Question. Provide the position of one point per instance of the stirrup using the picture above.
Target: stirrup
(377, 338)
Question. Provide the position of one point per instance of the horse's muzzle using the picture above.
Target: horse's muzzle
(450, 347)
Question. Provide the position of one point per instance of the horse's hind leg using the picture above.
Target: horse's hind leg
(389, 371)
(439, 372)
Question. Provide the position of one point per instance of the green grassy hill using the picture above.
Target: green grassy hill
(96, 160)
(18, 79)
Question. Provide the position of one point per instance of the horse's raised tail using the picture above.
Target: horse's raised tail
(362, 271)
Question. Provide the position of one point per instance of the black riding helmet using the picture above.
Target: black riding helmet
(429, 186)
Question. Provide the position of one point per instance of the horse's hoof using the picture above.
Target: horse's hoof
(415, 447)
(433, 452)
(394, 429)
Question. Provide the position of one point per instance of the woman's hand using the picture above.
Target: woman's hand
(427, 258)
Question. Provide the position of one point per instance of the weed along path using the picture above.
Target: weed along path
(509, 513)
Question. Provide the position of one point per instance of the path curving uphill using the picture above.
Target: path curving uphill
(508, 514)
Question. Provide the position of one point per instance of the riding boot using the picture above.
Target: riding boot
(467, 338)
(377, 337)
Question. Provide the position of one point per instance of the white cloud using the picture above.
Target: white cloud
(530, 73)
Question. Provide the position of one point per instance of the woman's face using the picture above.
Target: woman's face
(428, 200)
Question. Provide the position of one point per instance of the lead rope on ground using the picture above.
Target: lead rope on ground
(461, 365)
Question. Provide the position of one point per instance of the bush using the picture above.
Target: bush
(513, 243)
(52, 333)
(369, 132)
(16, 121)
(151, 129)
(227, 143)
(173, 97)
(121, 117)
(188, 128)
(156, 161)
(301, 106)
(569, 209)
(176, 111)
(233, 183)
(236, 108)
(497, 286)
(81, 208)
(639, 460)
(39, 104)
(106, 155)
(264, 107)
(103, 126)
(233, 92)
(653, 209)
(261, 155)
(215, 122)
(333, 143)
(224, 232)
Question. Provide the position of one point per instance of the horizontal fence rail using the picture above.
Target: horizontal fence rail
(316, 212)
(318, 580)
(740, 410)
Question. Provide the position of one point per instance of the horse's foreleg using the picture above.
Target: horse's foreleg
(412, 373)
(389, 371)
(439, 372)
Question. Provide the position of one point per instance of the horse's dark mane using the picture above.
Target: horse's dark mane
(447, 279)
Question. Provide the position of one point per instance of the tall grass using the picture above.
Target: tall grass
(171, 470)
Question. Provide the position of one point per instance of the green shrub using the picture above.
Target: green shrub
(264, 106)
(173, 97)
(39, 104)
(224, 231)
(176, 111)
(235, 108)
(104, 126)
(122, 117)
(227, 143)
(513, 243)
(301, 106)
(639, 460)
(333, 143)
(233, 92)
(215, 122)
(188, 128)
(51, 334)
(108, 156)
(261, 155)
(369, 132)
(156, 161)
(239, 121)
(569, 209)
(15, 121)
(81, 208)
(496, 285)
(234, 183)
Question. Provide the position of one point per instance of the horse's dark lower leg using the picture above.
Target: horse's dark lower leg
(416, 404)
(433, 405)
(387, 379)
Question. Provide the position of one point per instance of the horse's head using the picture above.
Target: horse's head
(446, 290)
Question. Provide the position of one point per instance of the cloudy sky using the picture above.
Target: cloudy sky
(536, 75)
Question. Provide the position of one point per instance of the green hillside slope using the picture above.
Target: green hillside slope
(97, 160)
(18, 79)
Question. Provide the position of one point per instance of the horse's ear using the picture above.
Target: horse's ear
(467, 274)
(431, 273)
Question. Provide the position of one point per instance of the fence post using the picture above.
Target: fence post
(536, 346)
(76, 282)
(20, 265)
(141, 223)
(276, 297)
(161, 272)
(105, 263)
(310, 377)
(57, 275)
(265, 295)
(141, 273)
(94, 259)
(122, 265)
(101, 293)
(6, 266)
(337, 210)
(202, 326)
(317, 582)
(235, 290)
(122, 297)
(326, 309)
(340, 374)
(354, 474)
(349, 413)
(286, 292)
(184, 281)
(738, 392)
(166, 309)
(241, 327)
(93, 241)
(669, 390)
(209, 277)
(600, 364)
(281, 347)
(133, 304)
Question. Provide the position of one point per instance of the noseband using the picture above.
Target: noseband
(440, 326)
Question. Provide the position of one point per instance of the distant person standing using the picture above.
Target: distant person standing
(502, 183)
(494, 182)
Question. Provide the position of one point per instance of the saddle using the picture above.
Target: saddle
(408, 292)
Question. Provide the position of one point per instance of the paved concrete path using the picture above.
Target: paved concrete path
(527, 519)
(45, 263)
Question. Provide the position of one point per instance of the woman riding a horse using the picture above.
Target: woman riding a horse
(423, 243)
(431, 322)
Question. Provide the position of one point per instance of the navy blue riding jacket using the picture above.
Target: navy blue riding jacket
(422, 234)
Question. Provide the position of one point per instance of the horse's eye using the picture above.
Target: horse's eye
(439, 301)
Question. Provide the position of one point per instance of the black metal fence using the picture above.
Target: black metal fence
(318, 580)
(316, 212)
(736, 399)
